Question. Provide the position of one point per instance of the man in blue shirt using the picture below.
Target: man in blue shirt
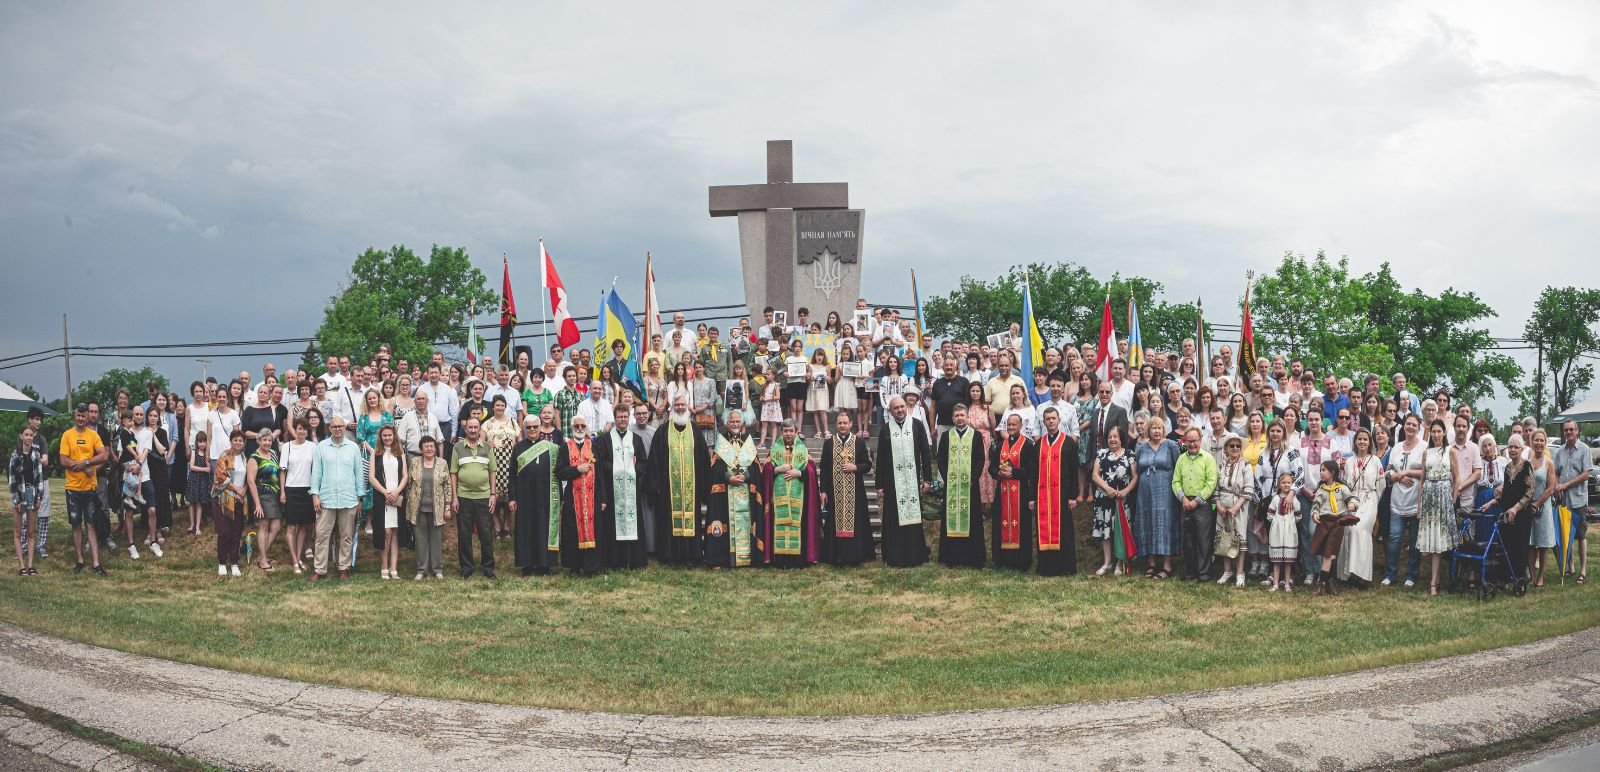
(336, 485)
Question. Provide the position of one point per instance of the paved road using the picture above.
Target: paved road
(1351, 721)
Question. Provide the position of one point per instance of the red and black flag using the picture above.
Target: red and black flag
(1247, 341)
(508, 318)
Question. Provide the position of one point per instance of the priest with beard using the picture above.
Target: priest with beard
(904, 469)
(535, 500)
(733, 510)
(789, 486)
(680, 478)
(1011, 464)
(846, 532)
(1055, 494)
(961, 461)
(580, 542)
(619, 472)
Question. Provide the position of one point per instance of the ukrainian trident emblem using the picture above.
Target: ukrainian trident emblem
(827, 273)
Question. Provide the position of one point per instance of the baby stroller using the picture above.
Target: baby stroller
(1481, 543)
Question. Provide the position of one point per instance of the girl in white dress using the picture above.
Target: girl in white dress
(1283, 533)
(844, 386)
(1364, 473)
(389, 478)
(818, 375)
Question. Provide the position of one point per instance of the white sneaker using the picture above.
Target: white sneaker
(438, 574)
(1411, 583)
(222, 570)
(1307, 582)
(417, 578)
(1240, 581)
(1226, 575)
(156, 548)
(133, 552)
(233, 570)
(1386, 581)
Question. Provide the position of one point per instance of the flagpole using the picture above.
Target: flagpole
(544, 303)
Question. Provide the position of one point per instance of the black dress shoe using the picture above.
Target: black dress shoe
(466, 574)
(487, 574)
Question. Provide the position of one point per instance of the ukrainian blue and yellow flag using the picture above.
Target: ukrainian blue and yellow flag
(1135, 346)
(1032, 341)
(615, 322)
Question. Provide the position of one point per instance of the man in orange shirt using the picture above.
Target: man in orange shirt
(82, 453)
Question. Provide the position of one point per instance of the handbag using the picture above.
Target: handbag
(1227, 543)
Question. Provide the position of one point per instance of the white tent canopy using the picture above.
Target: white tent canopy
(13, 400)
(1586, 411)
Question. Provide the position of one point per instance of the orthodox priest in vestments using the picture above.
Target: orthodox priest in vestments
(619, 472)
(904, 470)
(1055, 486)
(1011, 464)
(846, 532)
(733, 527)
(961, 461)
(680, 477)
(580, 538)
(793, 525)
(536, 500)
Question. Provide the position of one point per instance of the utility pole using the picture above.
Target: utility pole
(203, 362)
(66, 357)
(1538, 385)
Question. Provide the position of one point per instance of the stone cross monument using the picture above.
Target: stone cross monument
(799, 242)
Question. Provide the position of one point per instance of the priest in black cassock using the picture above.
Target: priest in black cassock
(1055, 485)
(961, 461)
(619, 488)
(904, 470)
(535, 499)
(680, 479)
(1011, 464)
(846, 532)
(580, 539)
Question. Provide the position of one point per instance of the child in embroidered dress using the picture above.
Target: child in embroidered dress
(1283, 534)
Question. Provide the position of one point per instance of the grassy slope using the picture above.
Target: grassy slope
(819, 641)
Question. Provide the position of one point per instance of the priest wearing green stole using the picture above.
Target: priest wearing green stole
(679, 476)
(733, 509)
(793, 525)
(961, 461)
(904, 471)
(619, 477)
(535, 500)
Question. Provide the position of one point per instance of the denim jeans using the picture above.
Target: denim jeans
(1310, 562)
(1402, 532)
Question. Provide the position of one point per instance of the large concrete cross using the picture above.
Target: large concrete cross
(767, 243)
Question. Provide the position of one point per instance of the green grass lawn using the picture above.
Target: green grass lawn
(756, 642)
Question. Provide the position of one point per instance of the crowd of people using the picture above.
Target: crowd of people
(1267, 473)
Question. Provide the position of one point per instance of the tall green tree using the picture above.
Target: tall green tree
(1565, 325)
(1311, 309)
(1067, 299)
(1441, 346)
(395, 297)
(104, 388)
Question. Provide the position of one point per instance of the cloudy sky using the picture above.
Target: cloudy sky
(202, 171)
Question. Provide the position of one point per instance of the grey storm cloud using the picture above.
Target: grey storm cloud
(195, 171)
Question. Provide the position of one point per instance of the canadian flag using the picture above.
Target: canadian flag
(1106, 351)
(566, 329)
